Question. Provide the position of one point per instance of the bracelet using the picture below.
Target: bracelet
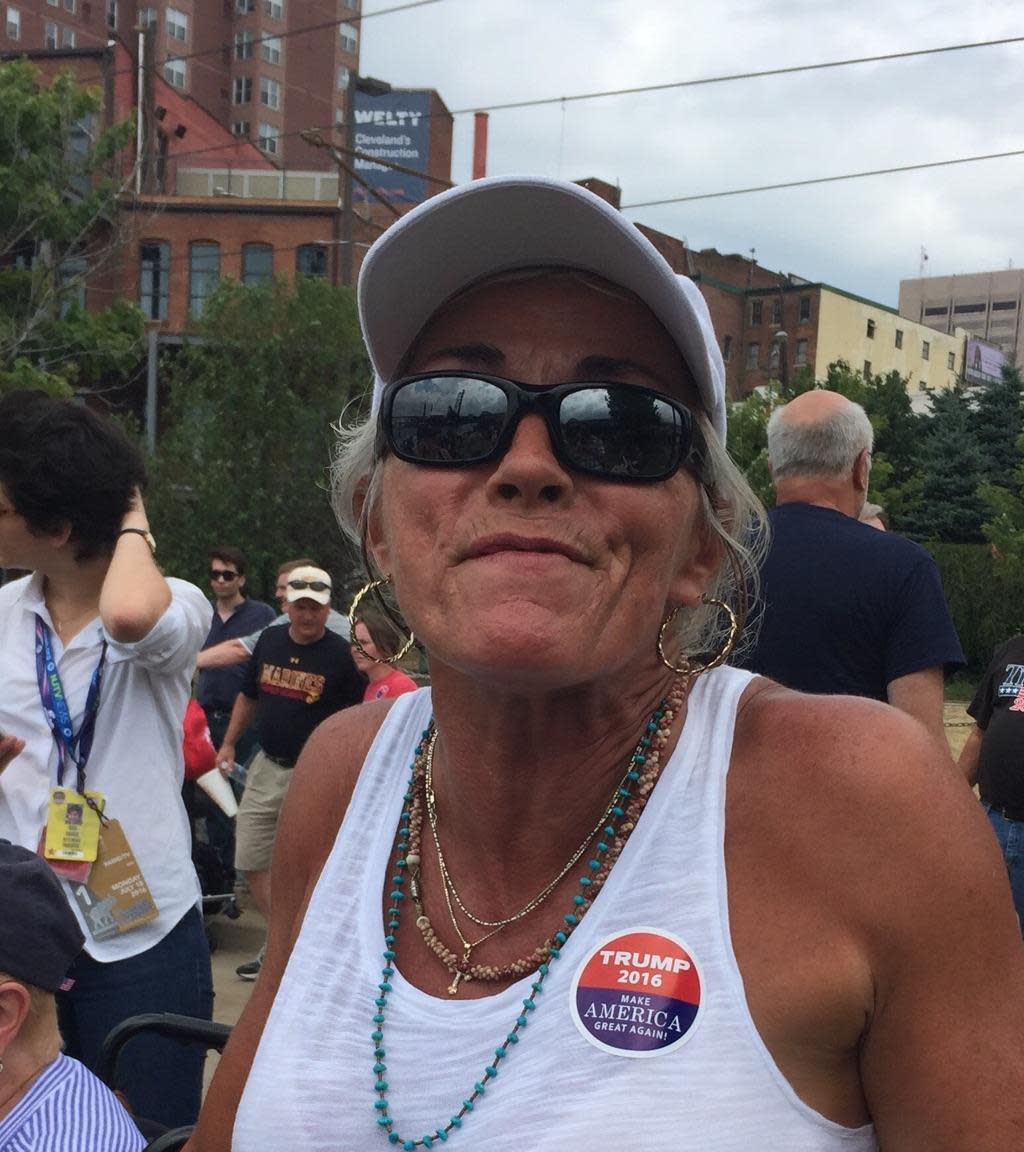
(144, 533)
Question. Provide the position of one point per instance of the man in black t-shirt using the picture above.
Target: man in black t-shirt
(299, 674)
(847, 609)
(993, 756)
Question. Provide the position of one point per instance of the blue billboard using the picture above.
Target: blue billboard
(392, 127)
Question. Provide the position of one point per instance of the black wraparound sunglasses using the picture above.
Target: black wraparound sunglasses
(612, 430)
(222, 574)
(312, 585)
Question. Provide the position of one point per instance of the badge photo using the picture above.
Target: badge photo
(638, 994)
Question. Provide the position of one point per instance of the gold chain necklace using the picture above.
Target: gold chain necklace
(451, 892)
(628, 801)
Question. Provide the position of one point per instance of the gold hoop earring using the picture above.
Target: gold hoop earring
(372, 586)
(690, 669)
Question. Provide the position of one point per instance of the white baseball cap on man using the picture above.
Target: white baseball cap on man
(308, 583)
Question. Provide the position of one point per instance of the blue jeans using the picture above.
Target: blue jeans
(1010, 834)
(162, 1079)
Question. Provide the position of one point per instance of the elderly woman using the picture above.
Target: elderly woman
(523, 909)
(97, 651)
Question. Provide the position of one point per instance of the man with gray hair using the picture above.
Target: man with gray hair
(847, 609)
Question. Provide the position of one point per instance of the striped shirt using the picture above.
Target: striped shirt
(67, 1109)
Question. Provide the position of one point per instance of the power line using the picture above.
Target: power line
(823, 180)
(790, 71)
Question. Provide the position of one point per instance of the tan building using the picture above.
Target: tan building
(878, 340)
(986, 305)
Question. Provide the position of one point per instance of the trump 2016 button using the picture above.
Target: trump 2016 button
(638, 994)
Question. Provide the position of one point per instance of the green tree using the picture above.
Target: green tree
(998, 422)
(950, 508)
(58, 193)
(245, 458)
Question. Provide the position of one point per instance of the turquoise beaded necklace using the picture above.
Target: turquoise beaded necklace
(631, 797)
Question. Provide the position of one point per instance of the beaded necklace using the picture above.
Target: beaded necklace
(630, 800)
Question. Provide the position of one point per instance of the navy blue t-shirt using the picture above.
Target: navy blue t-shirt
(848, 608)
(218, 687)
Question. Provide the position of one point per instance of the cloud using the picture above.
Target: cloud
(861, 235)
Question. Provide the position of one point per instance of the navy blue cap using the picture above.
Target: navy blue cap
(39, 935)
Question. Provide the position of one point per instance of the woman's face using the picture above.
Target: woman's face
(362, 634)
(521, 568)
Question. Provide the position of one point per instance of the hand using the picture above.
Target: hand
(136, 516)
(226, 759)
(10, 746)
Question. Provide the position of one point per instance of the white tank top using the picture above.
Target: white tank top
(641, 1038)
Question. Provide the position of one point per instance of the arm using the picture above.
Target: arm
(313, 810)
(920, 694)
(968, 762)
(134, 594)
(223, 655)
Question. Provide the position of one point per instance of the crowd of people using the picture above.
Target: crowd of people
(602, 857)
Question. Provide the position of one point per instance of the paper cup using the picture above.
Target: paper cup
(219, 791)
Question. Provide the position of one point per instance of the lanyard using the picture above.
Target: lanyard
(70, 745)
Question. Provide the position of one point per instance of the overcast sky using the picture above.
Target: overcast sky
(861, 235)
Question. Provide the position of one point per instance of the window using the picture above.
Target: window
(937, 310)
(311, 260)
(240, 127)
(203, 275)
(176, 71)
(13, 23)
(177, 24)
(867, 369)
(53, 3)
(148, 17)
(242, 92)
(71, 284)
(805, 309)
(1003, 305)
(154, 270)
(50, 36)
(243, 45)
(274, 8)
(69, 5)
(753, 352)
(962, 309)
(267, 138)
(926, 350)
(777, 312)
(270, 49)
(349, 37)
(727, 349)
(344, 78)
(112, 14)
(951, 361)
(801, 353)
(270, 92)
(257, 262)
(899, 337)
(755, 311)
(871, 329)
(67, 37)
(243, 6)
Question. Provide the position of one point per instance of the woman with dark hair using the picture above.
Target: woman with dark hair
(374, 649)
(96, 663)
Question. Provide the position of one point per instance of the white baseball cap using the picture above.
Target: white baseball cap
(504, 223)
(308, 583)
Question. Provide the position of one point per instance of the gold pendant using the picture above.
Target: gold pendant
(453, 987)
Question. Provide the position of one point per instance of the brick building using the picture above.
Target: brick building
(264, 69)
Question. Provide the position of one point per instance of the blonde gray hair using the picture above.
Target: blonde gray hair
(729, 509)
